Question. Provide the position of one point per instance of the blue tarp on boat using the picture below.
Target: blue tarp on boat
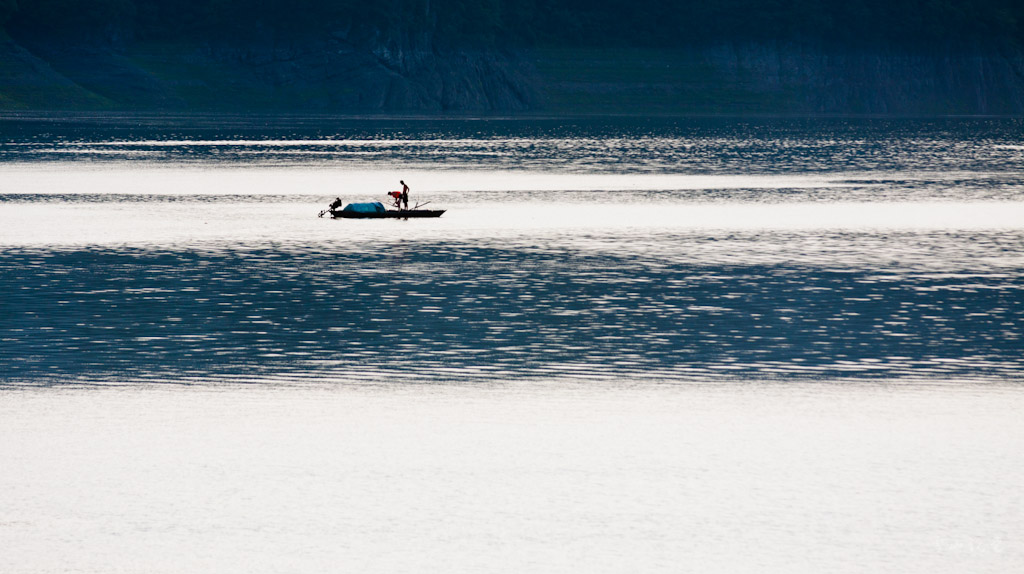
(375, 207)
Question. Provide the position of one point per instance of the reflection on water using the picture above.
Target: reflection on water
(170, 249)
(512, 478)
(675, 306)
(584, 263)
(708, 146)
(616, 146)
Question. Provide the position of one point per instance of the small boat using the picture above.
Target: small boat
(395, 214)
(376, 210)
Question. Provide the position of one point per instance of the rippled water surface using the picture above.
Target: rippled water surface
(802, 339)
(671, 250)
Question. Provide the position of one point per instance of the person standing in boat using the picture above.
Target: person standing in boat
(405, 194)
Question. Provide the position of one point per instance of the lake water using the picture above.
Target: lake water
(628, 345)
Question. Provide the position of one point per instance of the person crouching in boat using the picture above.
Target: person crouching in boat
(331, 206)
(396, 199)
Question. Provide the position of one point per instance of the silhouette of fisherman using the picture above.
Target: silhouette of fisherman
(405, 194)
(331, 207)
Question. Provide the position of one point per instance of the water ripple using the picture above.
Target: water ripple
(459, 311)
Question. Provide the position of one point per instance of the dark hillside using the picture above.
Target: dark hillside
(545, 56)
(563, 23)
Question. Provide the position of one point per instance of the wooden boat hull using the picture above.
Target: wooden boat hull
(397, 214)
